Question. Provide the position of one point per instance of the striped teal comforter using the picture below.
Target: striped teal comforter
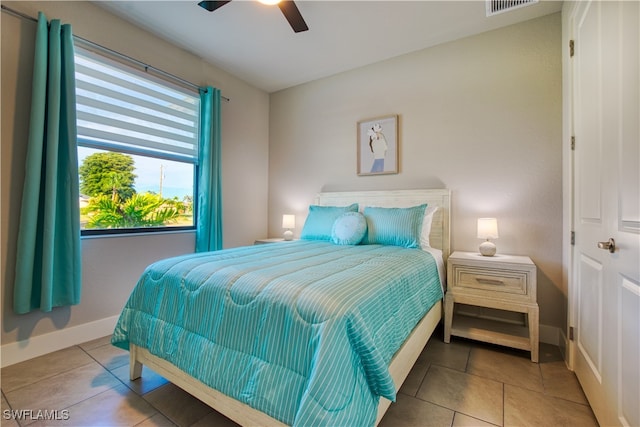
(303, 331)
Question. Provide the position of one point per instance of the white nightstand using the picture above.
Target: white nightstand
(271, 240)
(504, 282)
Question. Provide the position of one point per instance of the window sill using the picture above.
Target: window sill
(137, 234)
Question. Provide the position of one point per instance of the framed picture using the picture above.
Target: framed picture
(378, 146)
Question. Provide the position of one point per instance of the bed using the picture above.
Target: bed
(307, 332)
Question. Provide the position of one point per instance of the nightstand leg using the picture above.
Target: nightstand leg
(448, 316)
(534, 332)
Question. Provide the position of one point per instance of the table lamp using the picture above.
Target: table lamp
(288, 223)
(487, 229)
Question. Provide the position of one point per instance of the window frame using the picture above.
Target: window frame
(143, 152)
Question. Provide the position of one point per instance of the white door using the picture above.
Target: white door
(606, 285)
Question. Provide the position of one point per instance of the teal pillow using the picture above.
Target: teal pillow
(349, 229)
(320, 219)
(394, 226)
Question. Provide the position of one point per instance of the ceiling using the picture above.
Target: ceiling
(255, 42)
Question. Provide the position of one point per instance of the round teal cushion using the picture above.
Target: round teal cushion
(349, 229)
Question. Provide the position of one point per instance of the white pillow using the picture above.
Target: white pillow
(426, 226)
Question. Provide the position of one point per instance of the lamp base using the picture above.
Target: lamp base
(488, 248)
(288, 235)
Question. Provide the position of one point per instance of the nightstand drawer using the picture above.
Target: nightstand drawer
(490, 280)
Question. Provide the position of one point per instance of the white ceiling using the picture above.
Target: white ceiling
(255, 42)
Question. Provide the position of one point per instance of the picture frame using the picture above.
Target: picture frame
(378, 146)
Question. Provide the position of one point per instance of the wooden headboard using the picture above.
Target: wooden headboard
(440, 232)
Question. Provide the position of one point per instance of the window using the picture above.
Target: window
(137, 148)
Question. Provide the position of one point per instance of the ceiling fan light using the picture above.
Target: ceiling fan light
(269, 2)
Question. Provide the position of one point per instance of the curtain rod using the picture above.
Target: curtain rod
(146, 67)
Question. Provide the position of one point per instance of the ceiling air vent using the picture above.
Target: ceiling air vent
(495, 7)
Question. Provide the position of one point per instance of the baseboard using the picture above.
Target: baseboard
(565, 349)
(550, 334)
(20, 351)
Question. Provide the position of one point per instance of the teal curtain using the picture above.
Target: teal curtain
(209, 220)
(48, 249)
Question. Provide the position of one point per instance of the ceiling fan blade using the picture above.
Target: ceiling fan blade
(291, 12)
(212, 5)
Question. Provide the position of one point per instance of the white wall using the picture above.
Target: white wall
(112, 265)
(481, 116)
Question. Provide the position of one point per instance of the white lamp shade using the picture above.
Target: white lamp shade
(288, 221)
(487, 228)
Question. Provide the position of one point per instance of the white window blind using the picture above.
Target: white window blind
(126, 111)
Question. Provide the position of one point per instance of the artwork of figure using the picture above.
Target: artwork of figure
(378, 146)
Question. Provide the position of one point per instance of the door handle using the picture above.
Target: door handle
(610, 245)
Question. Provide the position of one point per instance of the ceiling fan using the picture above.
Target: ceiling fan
(288, 8)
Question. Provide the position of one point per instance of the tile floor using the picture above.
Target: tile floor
(459, 384)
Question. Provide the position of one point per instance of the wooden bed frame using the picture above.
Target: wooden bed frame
(403, 360)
